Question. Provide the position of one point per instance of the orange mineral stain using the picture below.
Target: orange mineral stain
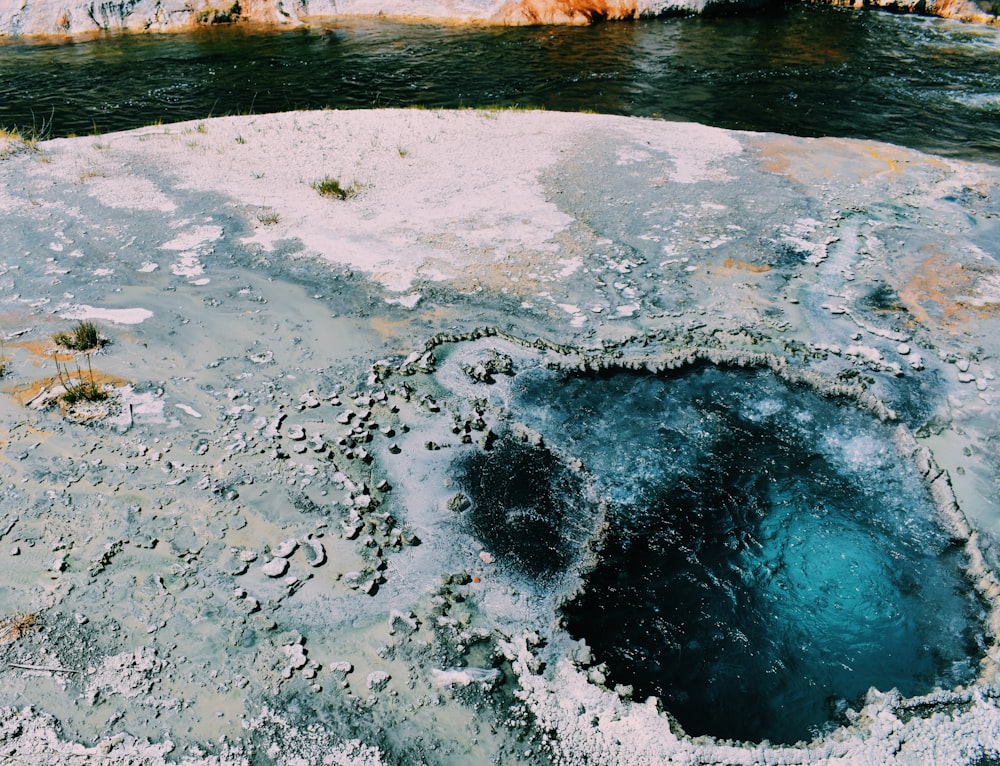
(565, 11)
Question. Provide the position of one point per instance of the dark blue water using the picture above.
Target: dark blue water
(768, 555)
(926, 83)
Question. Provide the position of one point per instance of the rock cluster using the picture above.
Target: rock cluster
(44, 17)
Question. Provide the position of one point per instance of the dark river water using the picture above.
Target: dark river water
(926, 83)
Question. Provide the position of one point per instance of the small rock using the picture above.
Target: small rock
(285, 549)
(341, 669)
(405, 621)
(309, 400)
(377, 680)
(276, 567)
(315, 554)
(351, 528)
(296, 655)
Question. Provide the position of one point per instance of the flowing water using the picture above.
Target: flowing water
(930, 84)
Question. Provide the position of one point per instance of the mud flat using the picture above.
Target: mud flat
(266, 544)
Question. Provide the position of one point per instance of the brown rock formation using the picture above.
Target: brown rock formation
(566, 11)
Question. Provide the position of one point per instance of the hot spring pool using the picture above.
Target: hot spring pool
(767, 554)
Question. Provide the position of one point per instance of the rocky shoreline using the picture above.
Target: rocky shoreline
(64, 20)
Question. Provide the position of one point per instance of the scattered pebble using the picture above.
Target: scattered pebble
(276, 567)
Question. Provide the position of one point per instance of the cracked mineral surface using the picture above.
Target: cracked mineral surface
(319, 517)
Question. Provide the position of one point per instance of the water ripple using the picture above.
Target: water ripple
(929, 84)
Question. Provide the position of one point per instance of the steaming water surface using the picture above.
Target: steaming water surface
(768, 558)
(929, 84)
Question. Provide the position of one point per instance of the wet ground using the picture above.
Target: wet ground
(279, 537)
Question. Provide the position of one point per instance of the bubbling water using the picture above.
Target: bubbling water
(767, 555)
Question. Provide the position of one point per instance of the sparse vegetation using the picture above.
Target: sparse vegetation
(84, 337)
(331, 187)
(268, 217)
(13, 141)
(13, 628)
(240, 140)
(213, 15)
(402, 152)
(80, 386)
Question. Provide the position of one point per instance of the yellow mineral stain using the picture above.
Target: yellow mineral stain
(756, 268)
(806, 160)
(29, 391)
(950, 287)
(43, 351)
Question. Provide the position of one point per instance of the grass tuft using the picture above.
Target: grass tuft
(268, 217)
(80, 386)
(14, 141)
(84, 337)
(331, 187)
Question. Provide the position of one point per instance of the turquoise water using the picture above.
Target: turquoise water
(926, 83)
(768, 557)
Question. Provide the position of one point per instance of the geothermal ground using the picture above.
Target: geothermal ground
(546, 439)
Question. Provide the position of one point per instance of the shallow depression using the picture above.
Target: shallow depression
(768, 557)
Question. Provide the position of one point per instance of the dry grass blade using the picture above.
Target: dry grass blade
(80, 387)
(17, 626)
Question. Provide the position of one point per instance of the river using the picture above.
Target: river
(931, 84)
